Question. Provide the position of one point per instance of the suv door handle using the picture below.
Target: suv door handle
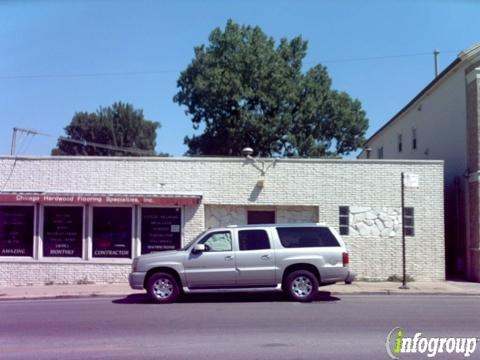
(228, 258)
(266, 257)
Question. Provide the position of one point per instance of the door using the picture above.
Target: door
(214, 267)
(255, 259)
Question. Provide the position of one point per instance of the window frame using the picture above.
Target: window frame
(35, 248)
(380, 152)
(42, 235)
(409, 230)
(139, 237)
(400, 142)
(121, 260)
(343, 227)
(414, 139)
(262, 210)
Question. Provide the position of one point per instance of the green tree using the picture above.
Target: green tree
(244, 90)
(119, 126)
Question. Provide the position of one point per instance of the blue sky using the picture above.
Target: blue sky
(57, 57)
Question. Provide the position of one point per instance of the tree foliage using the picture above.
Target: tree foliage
(244, 90)
(118, 125)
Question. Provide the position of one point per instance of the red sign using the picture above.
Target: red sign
(100, 199)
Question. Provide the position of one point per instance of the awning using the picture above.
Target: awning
(101, 199)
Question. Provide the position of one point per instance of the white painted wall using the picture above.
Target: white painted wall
(440, 119)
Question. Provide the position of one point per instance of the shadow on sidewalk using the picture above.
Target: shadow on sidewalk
(323, 296)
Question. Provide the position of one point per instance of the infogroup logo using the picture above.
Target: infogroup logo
(397, 343)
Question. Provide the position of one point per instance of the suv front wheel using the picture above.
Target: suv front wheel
(163, 288)
(301, 285)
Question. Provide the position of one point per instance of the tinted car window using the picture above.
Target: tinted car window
(297, 237)
(253, 240)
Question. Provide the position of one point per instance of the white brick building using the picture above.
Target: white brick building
(82, 219)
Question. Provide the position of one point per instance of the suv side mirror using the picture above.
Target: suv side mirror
(198, 248)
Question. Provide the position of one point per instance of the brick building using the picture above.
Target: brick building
(82, 219)
(443, 122)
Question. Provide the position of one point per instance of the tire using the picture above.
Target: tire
(301, 285)
(163, 288)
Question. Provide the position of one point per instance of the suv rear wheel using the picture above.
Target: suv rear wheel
(163, 288)
(301, 285)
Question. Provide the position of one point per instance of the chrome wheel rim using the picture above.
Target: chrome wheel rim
(163, 288)
(302, 286)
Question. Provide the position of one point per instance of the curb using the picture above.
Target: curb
(106, 295)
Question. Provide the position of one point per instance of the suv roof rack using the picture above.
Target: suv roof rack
(272, 225)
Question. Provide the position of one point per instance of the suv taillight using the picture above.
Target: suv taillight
(345, 259)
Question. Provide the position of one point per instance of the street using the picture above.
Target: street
(232, 326)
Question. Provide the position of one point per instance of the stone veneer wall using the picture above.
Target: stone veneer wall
(367, 221)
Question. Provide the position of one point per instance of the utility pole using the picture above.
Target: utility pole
(435, 60)
(14, 137)
(404, 257)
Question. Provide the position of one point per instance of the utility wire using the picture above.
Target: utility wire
(88, 143)
(381, 57)
(109, 147)
(159, 72)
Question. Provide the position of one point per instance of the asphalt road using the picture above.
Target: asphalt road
(228, 327)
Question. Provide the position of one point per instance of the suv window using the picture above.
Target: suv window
(297, 237)
(218, 241)
(253, 240)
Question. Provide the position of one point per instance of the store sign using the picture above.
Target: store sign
(411, 180)
(160, 229)
(112, 232)
(16, 230)
(62, 231)
(100, 199)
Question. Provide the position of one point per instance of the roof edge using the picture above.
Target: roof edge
(216, 159)
(463, 56)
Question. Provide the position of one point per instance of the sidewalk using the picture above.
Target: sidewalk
(357, 288)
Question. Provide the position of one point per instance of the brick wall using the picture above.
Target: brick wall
(320, 184)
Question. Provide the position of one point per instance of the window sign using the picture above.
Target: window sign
(16, 230)
(112, 232)
(160, 229)
(411, 180)
(62, 231)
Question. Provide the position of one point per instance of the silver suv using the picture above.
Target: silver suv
(295, 258)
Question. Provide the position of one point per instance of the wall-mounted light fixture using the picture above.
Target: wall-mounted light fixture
(263, 168)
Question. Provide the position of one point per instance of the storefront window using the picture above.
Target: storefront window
(16, 230)
(62, 231)
(112, 232)
(160, 229)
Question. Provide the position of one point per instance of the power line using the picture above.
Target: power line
(75, 141)
(160, 72)
(385, 57)
(109, 147)
(98, 74)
